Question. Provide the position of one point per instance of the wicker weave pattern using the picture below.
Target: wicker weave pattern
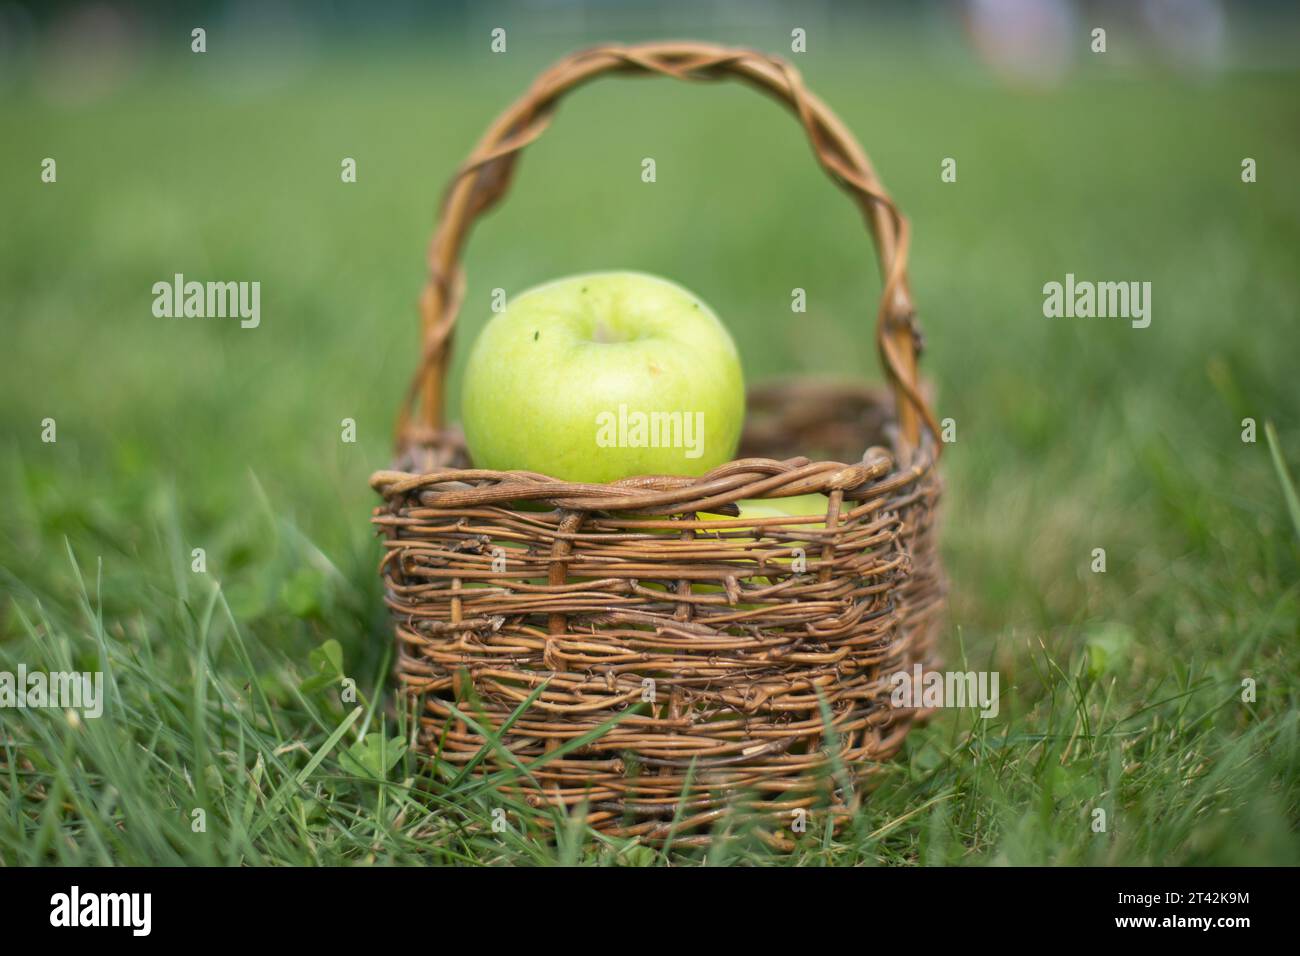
(735, 640)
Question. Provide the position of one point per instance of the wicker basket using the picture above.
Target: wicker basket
(715, 651)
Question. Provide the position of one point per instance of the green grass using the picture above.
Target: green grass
(1121, 691)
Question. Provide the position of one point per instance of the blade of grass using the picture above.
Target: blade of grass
(1283, 477)
(296, 782)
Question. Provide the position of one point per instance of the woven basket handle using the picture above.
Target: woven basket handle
(483, 179)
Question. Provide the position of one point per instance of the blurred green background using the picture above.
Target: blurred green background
(1072, 434)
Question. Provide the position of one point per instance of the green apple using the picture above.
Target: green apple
(603, 376)
(796, 506)
(740, 536)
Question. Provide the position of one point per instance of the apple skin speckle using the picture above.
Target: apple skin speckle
(535, 334)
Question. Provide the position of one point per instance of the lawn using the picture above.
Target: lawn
(1122, 691)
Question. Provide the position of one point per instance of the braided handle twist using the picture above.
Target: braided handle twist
(484, 177)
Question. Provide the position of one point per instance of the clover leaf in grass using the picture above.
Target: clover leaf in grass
(326, 662)
(374, 755)
(1109, 647)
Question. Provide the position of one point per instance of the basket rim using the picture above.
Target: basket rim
(882, 470)
(713, 492)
